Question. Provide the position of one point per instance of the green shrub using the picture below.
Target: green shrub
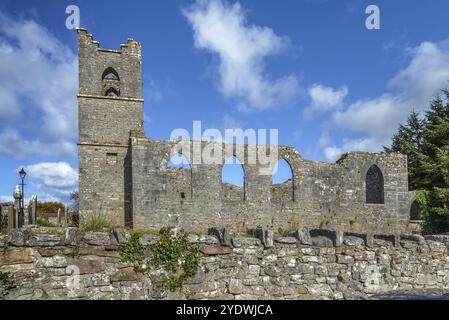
(41, 222)
(280, 231)
(5, 284)
(173, 253)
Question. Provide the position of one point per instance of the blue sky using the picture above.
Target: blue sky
(307, 68)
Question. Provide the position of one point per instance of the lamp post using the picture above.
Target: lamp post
(22, 175)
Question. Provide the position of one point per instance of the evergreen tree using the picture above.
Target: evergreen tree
(426, 143)
(433, 167)
(408, 140)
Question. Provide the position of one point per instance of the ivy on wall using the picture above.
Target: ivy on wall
(173, 253)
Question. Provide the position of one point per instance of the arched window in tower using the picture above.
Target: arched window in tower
(110, 83)
(282, 182)
(179, 177)
(233, 180)
(374, 185)
(111, 93)
(415, 212)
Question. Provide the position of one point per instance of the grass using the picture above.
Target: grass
(141, 232)
(96, 223)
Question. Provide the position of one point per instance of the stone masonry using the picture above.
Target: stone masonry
(320, 264)
(123, 174)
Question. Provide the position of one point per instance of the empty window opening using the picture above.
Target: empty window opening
(111, 158)
(374, 186)
(178, 161)
(111, 92)
(110, 83)
(110, 74)
(415, 211)
(282, 182)
(233, 179)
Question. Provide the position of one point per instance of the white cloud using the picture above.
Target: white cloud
(222, 28)
(6, 199)
(53, 181)
(333, 153)
(12, 144)
(53, 175)
(324, 98)
(38, 87)
(412, 88)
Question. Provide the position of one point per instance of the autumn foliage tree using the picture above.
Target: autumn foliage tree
(49, 207)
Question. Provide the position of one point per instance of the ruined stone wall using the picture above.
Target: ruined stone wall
(232, 192)
(179, 183)
(327, 265)
(323, 195)
(282, 192)
(123, 174)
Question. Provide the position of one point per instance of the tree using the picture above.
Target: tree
(49, 207)
(426, 143)
(408, 140)
(433, 168)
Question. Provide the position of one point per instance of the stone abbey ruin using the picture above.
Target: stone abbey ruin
(124, 174)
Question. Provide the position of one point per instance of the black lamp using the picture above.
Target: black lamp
(22, 174)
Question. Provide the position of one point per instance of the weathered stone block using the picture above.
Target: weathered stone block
(335, 235)
(239, 242)
(392, 238)
(302, 235)
(286, 240)
(412, 237)
(17, 256)
(209, 240)
(265, 236)
(71, 236)
(235, 286)
(353, 241)
(121, 235)
(438, 238)
(222, 236)
(214, 250)
(44, 241)
(53, 262)
(322, 241)
(345, 259)
(97, 238)
(87, 266)
(126, 274)
(17, 237)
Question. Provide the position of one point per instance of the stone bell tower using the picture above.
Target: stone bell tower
(110, 107)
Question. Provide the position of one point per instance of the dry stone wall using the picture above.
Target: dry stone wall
(315, 264)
